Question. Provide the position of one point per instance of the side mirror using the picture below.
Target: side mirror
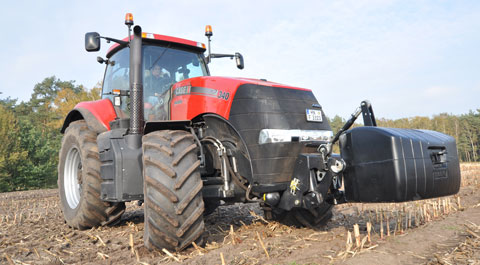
(239, 60)
(92, 41)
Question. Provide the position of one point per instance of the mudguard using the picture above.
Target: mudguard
(97, 114)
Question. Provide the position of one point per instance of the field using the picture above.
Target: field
(437, 231)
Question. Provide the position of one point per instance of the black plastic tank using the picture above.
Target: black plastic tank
(397, 165)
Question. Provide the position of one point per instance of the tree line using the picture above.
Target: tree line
(30, 135)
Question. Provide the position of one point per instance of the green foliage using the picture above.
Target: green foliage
(336, 123)
(11, 153)
(40, 170)
(30, 133)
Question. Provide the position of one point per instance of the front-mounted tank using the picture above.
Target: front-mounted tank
(396, 165)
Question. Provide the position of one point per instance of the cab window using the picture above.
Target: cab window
(163, 67)
(117, 77)
(171, 65)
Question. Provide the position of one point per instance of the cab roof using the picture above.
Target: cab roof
(157, 38)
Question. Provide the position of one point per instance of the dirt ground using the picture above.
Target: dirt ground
(437, 231)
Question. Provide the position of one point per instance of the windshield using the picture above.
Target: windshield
(175, 65)
(162, 67)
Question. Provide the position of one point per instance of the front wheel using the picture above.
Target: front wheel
(172, 186)
(79, 180)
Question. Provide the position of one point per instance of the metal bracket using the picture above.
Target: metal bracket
(367, 112)
(368, 118)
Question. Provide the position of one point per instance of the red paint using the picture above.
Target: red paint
(102, 110)
(150, 36)
(189, 106)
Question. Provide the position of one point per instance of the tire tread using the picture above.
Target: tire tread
(172, 224)
(91, 211)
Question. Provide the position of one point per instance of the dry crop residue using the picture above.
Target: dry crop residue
(437, 231)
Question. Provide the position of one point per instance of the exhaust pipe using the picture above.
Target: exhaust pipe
(135, 132)
(136, 85)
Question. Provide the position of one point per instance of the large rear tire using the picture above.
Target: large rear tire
(79, 180)
(172, 186)
(315, 218)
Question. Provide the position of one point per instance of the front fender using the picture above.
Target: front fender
(97, 114)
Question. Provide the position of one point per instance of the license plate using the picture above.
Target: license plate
(314, 115)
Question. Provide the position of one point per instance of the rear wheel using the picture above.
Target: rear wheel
(79, 180)
(315, 218)
(172, 186)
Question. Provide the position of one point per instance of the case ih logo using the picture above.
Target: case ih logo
(183, 90)
(201, 91)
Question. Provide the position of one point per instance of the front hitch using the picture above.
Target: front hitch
(310, 183)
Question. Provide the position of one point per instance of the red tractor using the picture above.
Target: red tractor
(168, 134)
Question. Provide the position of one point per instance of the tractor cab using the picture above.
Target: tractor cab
(165, 61)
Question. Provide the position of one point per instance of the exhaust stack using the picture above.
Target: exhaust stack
(136, 85)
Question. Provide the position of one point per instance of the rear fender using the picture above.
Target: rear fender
(97, 114)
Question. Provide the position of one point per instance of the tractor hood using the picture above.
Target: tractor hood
(230, 82)
(212, 94)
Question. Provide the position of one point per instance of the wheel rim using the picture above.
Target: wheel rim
(72, 176)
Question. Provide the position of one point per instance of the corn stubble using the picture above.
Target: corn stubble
(368, 226)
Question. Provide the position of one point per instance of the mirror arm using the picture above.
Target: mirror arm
(238, 57)
(121, 42)
(220, 55)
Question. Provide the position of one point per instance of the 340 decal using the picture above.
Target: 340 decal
(223, 95)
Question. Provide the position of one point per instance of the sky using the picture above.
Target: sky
(408, 58)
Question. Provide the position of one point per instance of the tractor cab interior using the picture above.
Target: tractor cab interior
(163, 66)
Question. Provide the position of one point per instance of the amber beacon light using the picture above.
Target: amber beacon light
(208, 31)
(129, 19)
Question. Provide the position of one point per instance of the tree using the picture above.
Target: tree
(40, 171)
(11, 154)
(66, 100)
(336, 123)
(8, 103)
(470, 133)
(42, 102)
(30, 133)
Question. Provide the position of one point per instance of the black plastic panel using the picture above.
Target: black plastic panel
(396, 165)
(258, 107)
(121, 167)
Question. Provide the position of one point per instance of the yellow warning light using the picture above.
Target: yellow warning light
(208, 31)
(129, 19)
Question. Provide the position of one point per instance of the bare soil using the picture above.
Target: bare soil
(437, 231)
